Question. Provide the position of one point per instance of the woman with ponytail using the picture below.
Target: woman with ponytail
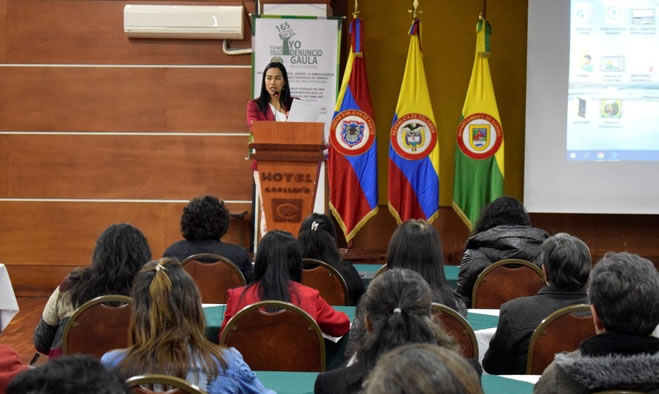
(398, 306)
(317, 237)
(277, 273)
(167, 328)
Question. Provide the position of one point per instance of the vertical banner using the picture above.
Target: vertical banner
(309, 49)
(478, 174)
(414, 147)
(353, 167)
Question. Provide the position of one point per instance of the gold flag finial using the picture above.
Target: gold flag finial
(415, 12)
(356, 11)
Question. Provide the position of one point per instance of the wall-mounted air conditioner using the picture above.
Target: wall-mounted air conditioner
(177, 21)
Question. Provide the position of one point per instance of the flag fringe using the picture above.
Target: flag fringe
(349, 236)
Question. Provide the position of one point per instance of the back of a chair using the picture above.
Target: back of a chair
(286, 340)
(459, 328)
(561, 331)
(98, 326)
(161, 384)
(380, 270)
(214, 275)
(505, 280)
(327, 280)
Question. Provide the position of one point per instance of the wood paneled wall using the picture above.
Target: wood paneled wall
(96, 128)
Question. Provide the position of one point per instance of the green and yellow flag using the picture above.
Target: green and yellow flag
(478, 175)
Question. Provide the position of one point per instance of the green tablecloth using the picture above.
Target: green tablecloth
(215, 315)
(367, 272)
(302, 382)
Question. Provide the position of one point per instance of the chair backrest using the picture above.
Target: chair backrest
(459, 328)
(286, 340)
(214, 275)
(505, 280)
(96, 327)
(170, 385)
(380, 270)
(561, 331)
(327, 280)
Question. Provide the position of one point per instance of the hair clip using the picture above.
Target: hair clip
(314, 225)
(397, 310)
(160, 267)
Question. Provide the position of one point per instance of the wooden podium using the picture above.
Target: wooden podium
(288, 155)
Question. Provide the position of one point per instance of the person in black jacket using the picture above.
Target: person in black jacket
(566, 262)
(398, 311)
(503, 231)
(317, 237)
(204, 222)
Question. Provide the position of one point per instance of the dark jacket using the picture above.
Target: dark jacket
(606, 361)
(341, 380)
(237, 254)
(489, 246)
(518, 319)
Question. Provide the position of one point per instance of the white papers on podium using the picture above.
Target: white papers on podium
(303, 112)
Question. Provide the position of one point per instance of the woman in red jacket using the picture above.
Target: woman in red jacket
(275, 99)
(277, 273)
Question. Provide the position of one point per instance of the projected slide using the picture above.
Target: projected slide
(613, 93)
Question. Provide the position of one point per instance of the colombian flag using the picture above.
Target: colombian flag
(414, 148)
(478, 177)
(353, 179)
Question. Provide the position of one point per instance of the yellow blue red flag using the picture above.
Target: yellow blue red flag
(353, 178)
(414, 147)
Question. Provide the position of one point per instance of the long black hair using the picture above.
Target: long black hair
(120, 252)
(416, 245)
(398, 306)
(285, 98)
(278, 261)
(317, 237)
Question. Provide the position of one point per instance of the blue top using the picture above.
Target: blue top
(236, 378)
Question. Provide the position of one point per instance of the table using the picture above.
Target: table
(367, 272)
(302, 383)
(8, 303)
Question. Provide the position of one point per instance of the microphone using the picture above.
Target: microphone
(276, 94)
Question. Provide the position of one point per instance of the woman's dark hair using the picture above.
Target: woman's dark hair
(167, 325)
(121, 250)
(504, 211)
(415, 245)
(284, 96)
(204, 218)
(423, 368)
(398, 306)
(278, 261)
(317, 237)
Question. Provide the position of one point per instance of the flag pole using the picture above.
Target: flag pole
(415, 12)
(356, 11)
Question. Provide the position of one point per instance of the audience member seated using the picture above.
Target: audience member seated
(423, 369)
(503, 231)
(10, 366)
(277, 273)
(397, 307)
(167, 335)
(77, 374)
(566, 263)
(414, 245)
(624, 298)
(120, 252)
(318, 239)
(204, 222)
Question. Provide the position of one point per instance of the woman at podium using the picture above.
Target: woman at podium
(275, 99)
(273, 104)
